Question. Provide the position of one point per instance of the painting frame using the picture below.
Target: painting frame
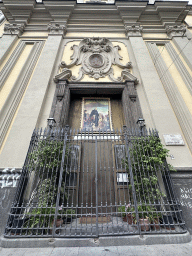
(100, 108)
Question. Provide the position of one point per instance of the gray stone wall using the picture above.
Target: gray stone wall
(182, 184)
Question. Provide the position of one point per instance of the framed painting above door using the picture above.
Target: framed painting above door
(96, 114)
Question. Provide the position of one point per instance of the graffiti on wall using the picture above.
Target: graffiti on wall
(9, 177)
(186, 196)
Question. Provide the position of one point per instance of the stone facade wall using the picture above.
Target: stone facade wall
(33, 46)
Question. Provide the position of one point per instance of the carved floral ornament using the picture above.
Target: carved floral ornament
(56, 28)
(176, 30)
(134, 30)
(96, 57)
(14, 28)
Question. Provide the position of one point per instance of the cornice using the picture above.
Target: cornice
(95, 18)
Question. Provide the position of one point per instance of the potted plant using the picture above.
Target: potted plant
(126, 213)
(44, 163)
(69, 215)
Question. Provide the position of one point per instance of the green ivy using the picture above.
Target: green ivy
(148, 156)
(45, 161)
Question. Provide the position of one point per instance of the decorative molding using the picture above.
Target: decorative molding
(175, 30)
(122, 12)
(13, 100)
(134, 30)
(178, 104)
(64, 75)
(96, 57)
(13, 29)
(57, 29)
(5, 72)
(127, 76)
(180, 66)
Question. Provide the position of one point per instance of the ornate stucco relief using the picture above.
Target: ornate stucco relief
(57, 29)
(14, 29)
(95, 58)
(176, 30)
(134, 30)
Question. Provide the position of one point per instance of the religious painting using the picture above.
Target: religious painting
(96, 114)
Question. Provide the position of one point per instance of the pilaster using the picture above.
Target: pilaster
(178, 104)
(30, 109)
(184, 45)
(160, 109)
(10, 36)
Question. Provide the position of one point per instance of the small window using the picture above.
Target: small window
(122, 178)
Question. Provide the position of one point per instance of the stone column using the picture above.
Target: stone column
(160, 109)
(184, 45)
(27, 117)
(10, 36)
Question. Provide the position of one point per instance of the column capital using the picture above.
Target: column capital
(134, 30)
(13, 29)
(176, 30)
(56, 28)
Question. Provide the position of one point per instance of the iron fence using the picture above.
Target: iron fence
(88, 184)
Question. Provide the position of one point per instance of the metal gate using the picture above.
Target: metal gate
(87, 184)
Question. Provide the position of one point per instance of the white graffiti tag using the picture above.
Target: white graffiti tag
(9, 177)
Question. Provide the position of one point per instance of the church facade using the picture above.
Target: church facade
(108, 80)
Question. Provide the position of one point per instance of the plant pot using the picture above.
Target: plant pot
(144, 224)
(168, 222)
(67, 219)
(128, 218)
(58, 223)
(155, 224)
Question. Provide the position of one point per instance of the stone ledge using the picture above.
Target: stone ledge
(95, 242)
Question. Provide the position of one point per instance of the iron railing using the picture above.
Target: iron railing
(88, 184)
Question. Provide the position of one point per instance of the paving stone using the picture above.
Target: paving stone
(112, 251)
(58, 251)
(73, 251)
(13, 251)
(38, 252)
(94, 251)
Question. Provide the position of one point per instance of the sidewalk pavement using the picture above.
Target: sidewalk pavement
(142, 250)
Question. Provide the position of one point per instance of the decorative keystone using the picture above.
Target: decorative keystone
(175, 30)
(13, 29)
(133, 30)
(57, 29)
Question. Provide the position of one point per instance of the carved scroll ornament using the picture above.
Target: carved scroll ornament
(176, 30)
(96, 57)
(14, 29)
